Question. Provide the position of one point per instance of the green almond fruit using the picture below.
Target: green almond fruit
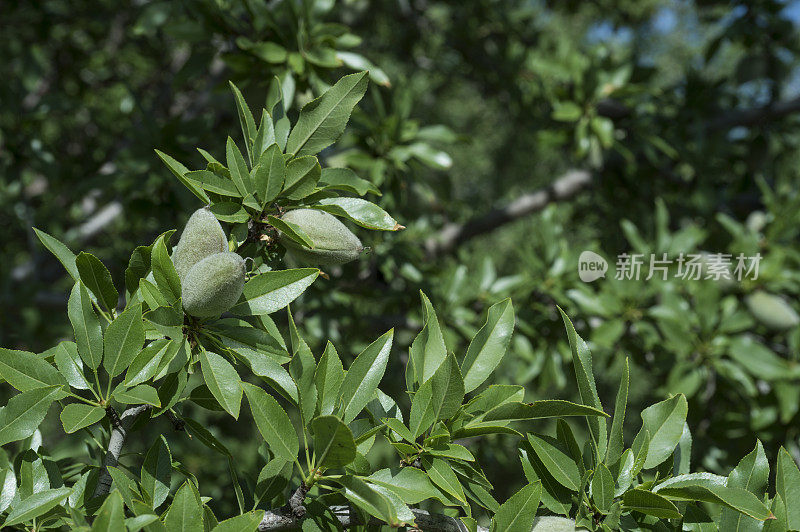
(771, 310)
(334, 243)
(202, 236)
(549, 523)
(213, 285)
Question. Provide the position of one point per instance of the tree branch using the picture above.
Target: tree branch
(118, 434)
(452, 235)
(756, 115)
(284, 519)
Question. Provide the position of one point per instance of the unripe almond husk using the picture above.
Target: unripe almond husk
(202, 237)
(772, 310)
(334, 243)
(549, 523)
(213, 285)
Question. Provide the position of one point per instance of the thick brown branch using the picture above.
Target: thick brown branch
(284, 519)
(756, 115)
(452, 235)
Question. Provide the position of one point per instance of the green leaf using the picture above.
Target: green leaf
(711, 488)
(127, 487)
(274, 290)
(369, 499)
(362, 212)
(664, 421)
(519, 511)
(157, 472)
(545, 408)
(180, 171)
(223, 381)
(25, 412)
(566, 111)
(265, 135)
(272, 372)
(334, 445)
(169, 284)
(328, 378)
(428, 349)
(787, 485)
(453, 451)
(301, 368)
(70, 366)
(138, 267)
(302, 175)
(443, 476)
(185, 514)
(399, 428)
(241, 523)
(138, 395)
(229, 211)
(27, 371)
(412, 485)
(438, 398)
(269, 174)
(494, 395)
(61, 252)
(347, 180)
(246, 121)
(35, 505)
(123, 340)
(363, 377)
(96, 277)
(615, 441)
(323, 120)
(582, 363)
(198, 431)
(556, 460)
(240, 174)
(86, 324)
(111, 515)
(145, 364)
(650, 503)
(752, 474)
(211, 182)
(273, 423)
(489, 345)
(75, 416)
(602, 488)
(555, 497)
(291, 230)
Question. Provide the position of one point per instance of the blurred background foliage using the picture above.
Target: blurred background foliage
(661, 126)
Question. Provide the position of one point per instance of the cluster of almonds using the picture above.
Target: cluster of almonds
(212, 277)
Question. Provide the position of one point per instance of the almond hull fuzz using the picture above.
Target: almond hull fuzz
(334, 243)
(213, 285)
(203, 236)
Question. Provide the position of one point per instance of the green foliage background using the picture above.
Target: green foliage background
(682, 114)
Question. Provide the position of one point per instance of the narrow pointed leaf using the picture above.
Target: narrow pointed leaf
(273, 423)
(274, 290)
(323, 120)
(519, 511)
(488, 346)
(86, 324)
(363, 377)
(123, 340)
(76, 416)
(223, 381)
(333, 442)
(97, 279)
